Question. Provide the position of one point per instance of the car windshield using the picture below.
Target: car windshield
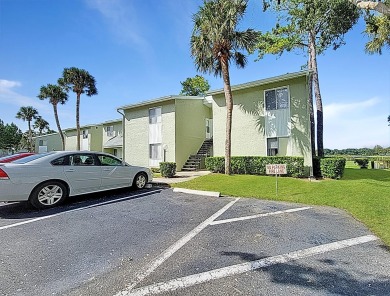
(32, 157)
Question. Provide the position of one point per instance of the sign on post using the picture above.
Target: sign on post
(276, 169)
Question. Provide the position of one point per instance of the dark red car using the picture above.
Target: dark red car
(10, 158)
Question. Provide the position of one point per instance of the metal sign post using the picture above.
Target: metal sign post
(275, 169)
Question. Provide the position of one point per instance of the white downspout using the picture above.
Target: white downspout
(123, 134)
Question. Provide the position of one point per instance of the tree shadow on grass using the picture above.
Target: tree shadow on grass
(366, 174)
(333, 279)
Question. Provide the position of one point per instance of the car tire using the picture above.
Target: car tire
(140, 181)
(48, 195)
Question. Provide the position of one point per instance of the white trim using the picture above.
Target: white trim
(175, 247)
(196, 279)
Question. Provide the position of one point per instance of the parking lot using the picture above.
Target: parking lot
(161, 242)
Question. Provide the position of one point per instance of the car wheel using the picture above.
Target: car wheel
(140, 181)
(48, 194)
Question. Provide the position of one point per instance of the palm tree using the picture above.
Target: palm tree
(28, 114)
(80, 81)
(215, 42)
(41, 125)
(56, 94)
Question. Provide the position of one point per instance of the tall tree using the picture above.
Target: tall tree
(28, 114)
(80, 82)
(10, 137)
(312, 26)
(1, 135)
(215, 43)
(382, 7)
(194, 86)
(56, 95)
(41, 124)
(378, 29)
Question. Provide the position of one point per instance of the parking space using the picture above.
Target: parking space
(161, 242)
(262, 248)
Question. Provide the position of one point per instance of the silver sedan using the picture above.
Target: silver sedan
(47, 179)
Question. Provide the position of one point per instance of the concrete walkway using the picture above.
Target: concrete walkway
(179, 177)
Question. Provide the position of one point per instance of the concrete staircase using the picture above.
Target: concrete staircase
(196, 161)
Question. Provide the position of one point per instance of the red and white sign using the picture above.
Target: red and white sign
(276, 169)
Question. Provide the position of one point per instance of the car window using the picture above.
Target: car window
(82, 159)
(64, 160)
(31, 158)
(109, 160)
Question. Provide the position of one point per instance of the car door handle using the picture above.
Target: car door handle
(107, 169)
(69, 170)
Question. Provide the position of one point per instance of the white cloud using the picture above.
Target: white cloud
(122, 19)
(356, 125)
(7, 85)
(11, 97)
(337, 110)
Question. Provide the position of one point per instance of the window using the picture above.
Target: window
(272, 146)
(155, 115)
(85, 134)
(109, 160)
(42, 143)
(81, 159)
(277, 99)
(64, 160)
(110, 131)
(155, 151)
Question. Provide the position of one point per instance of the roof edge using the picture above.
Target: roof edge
(262, 82)
(159, 100)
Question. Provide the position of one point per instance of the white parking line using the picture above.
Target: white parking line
(173, 248)
(199, 278)
(74, 210)
(259, 215)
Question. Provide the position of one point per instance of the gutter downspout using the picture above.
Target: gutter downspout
(123, 134)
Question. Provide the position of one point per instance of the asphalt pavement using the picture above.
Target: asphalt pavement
(157, 241)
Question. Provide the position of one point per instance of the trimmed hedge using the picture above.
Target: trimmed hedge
(362, 162)
(168, 169)
(332, 167)
(255, 165)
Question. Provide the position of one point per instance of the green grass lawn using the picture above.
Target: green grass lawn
(364, 193)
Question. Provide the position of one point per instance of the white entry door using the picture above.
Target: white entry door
(209, 128)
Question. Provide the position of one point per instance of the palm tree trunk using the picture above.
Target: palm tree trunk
(58, 126)
(78, 120)
(229, 111)
(310, 105)
(317, 93)
(31, 149)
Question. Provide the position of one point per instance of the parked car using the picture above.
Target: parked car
(47, 179)
(10, 158)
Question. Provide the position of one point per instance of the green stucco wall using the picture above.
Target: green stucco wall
(191, 117)
(248, 121)
(53, 142)
(137, 132)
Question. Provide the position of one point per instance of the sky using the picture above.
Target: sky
(140, 50)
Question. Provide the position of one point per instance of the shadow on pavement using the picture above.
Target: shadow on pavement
(23, 210)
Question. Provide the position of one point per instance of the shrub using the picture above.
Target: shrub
(215, 164)
(155, 169)
(255, 165)
(332, 167)
(168, 169)
(362, 162)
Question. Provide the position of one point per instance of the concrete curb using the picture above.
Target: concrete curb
(197, 192)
